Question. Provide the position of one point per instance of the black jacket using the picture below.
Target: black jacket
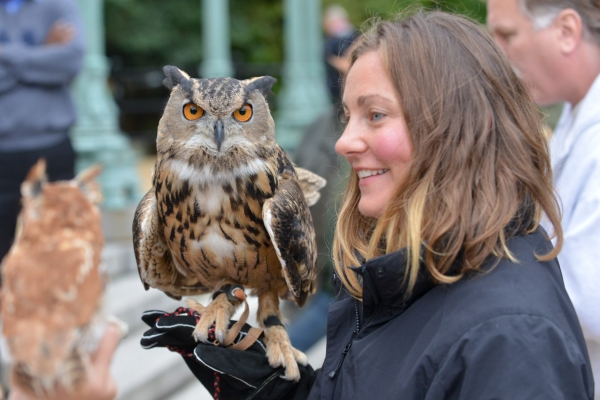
(509, 333)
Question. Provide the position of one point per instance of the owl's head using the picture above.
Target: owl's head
(59, 205)
(216, 115)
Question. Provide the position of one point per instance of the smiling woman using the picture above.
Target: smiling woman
(438, 133)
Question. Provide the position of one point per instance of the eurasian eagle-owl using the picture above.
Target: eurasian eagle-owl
(52, 283)
(227, 208)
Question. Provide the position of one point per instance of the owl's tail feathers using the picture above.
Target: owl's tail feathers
(177, 292)
(286, 294)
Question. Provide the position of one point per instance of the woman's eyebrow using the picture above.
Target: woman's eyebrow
(371, 97)
(362, 100)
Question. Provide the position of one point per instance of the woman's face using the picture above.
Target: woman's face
(375, 142)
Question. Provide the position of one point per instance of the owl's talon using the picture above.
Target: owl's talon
(218, 312)
(220, 336)
(300, 357)
(281, 353)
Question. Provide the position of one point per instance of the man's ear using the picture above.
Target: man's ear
(569, 29)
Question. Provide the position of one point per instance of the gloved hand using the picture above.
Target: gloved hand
(234, 374)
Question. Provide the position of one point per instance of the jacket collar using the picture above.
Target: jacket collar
(383, 283)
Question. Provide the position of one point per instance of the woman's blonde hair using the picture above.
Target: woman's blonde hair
(480, 172)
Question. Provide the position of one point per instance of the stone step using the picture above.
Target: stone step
(147, 374)
(192, 391)
(126, 298)
(141, 374)
(118, 259)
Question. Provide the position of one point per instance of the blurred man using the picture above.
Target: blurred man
(555, 46)
(339, 36)
(41, 50)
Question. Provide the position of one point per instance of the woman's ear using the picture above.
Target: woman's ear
(570, 30)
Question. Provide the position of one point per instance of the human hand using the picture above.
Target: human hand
(100, 384)
(238, 374)
(60, 33)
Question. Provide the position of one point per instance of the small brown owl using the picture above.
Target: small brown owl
(227, 208)
(52, 285)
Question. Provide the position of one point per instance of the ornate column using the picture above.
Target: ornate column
(216, 39)
(304, 94)
(96, 136)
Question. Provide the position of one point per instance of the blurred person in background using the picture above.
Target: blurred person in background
(339, 36)
(555, 46)
(317, 153)
(41, 51)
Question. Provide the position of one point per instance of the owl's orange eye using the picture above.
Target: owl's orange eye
(244, 113)
(192, 111)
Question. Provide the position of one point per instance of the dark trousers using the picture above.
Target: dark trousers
(14, 166)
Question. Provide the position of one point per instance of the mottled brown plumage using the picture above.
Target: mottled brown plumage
(227, 207)
(52, 285)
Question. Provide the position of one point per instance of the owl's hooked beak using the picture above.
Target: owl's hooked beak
(219, 134)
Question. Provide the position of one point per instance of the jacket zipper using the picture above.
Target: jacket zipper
(333, 373)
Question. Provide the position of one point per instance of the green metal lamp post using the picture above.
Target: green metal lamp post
(216, 40)
(304, 94)
(96, 136)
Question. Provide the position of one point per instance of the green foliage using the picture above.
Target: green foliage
(360, 11)
(154, 32)
(158, 32)
(257, 30)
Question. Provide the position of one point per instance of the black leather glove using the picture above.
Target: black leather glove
(234, 374)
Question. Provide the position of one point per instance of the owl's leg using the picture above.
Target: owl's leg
(279, 347)
(219, 311)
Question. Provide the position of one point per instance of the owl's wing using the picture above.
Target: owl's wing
(310, 183)
(289, 223)
(153, 257)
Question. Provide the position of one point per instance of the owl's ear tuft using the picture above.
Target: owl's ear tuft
(262, 84)
(89, 174)
(87, 181)
(36, 178)
(175, 76)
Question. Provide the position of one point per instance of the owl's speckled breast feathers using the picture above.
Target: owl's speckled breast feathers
(213, 224)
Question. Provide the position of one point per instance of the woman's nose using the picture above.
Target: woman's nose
(350, 142)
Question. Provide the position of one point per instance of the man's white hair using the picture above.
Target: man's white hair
(542, 16)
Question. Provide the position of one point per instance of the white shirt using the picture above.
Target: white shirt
(575, 153)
